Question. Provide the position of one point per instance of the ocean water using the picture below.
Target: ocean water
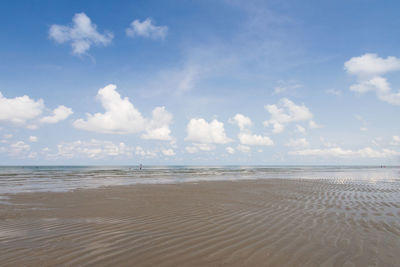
(17, 179)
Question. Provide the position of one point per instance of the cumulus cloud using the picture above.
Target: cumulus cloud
(395, 140)
(146, 29)
(371, 65)
(300, 129)
(19, 148)
(121, 117)
(168, 152)
(230, 150)
(300, 142)
(58, 114)
(254, 140)
(145, 153)
(201, 132)
(20, 109)
(191, 149)
(286, 112)
(199, 147)
(245, 136)
(82, 34)
(313, 125)
(33, 139)
(326, 143)
(242, 121)
(378, 84)
(346, 153)
(243, 148)
(158, 127)
(93, 149)
(369, 69)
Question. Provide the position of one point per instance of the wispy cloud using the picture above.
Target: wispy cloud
(82, 34)
(146, 29)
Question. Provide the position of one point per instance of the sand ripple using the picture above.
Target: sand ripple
(252, 223)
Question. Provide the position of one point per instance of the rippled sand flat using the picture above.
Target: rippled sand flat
(247, 223)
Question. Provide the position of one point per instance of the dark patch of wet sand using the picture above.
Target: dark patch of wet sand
(273, 222)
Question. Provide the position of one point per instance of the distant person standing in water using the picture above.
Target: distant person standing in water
(140, 167)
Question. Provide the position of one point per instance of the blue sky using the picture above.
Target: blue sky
(199, 82)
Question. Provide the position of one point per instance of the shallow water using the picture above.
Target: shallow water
(19, 179)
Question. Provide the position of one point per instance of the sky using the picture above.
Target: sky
(220, 82)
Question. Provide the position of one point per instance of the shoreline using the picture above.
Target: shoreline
(262, 222)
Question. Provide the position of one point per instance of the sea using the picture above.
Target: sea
(20, 179)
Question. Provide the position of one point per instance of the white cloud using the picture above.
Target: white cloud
(32, 155)
(191, 149)
(343, 153)
(378, 84)
(59, 114)
(395, 140)
(371, 65)
(93, 149)
(20, 109)
(369, 69)
(392, 98)
(300, 142)
(243, 148)
(196, 147)
(254, 140)
(145, 153)
(19, 148)
(121, 117)
(245, 136)
(202, 132)
(230, 150)
(158, 126)
(333, 92)
(286, 112)
(82, 34)
(286, 86)
(146, 29)
(205, 147)
(300, 129)
(168, 152)
(33, 139)
(326, 143)
(242, 121)
(313, 125)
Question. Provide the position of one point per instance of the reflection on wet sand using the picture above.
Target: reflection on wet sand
(274, 222)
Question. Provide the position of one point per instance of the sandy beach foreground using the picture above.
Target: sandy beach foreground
(247, 223)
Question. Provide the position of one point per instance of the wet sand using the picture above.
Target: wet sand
(247, 223)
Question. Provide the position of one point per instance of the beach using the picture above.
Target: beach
(271, 222)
